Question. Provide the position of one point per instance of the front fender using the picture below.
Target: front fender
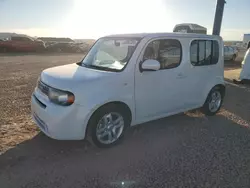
(96, 106)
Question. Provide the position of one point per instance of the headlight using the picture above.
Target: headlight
(64, 98)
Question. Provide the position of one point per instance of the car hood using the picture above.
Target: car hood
(67, 77)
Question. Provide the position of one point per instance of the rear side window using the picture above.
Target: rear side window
(231, 49)
(20, 39)
(167, 51)
(204, 52)
(225, 49)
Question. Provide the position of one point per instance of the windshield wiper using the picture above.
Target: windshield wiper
(98, 67)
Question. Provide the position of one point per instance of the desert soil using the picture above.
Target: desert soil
(186, 150)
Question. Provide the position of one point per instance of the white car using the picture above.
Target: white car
(230, 53)
(126, 80)
(245, 71)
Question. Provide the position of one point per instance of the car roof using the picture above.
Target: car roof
(153, 35)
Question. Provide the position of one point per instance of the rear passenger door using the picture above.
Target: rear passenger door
(204, 56)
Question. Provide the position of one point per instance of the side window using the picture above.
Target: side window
(194, 50)
(204, 52)
(151, 52)
(20, 39)
(26, 39)
(215, 52)
(208, 52)
(167, 51)
(15, 38)
(231, 49)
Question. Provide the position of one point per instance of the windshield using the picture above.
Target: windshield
(110, 53)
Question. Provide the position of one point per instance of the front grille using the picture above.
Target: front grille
(43, 88)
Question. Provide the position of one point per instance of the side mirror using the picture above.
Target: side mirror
(150, 65)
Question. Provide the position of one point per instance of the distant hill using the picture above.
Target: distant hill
(55, 39)
(87, 41)
(7, 35)
(229, 43)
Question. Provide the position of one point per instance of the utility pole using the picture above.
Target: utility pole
(218, 16)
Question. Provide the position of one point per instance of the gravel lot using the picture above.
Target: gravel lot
(186, 150)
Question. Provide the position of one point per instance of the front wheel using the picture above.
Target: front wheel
(107, 126)
(213, 102)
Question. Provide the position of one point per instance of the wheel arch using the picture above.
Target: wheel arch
(219, 83)
(120, 104)
(222, 88)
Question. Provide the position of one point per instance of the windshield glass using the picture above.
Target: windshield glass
(110, 53)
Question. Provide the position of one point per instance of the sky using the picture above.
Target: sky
(81, 19)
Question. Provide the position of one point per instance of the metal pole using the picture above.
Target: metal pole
(218, 16)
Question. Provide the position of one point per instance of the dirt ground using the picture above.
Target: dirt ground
(18, 76)
(187, 149)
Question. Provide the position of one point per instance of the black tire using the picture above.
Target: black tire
(96, 117)
(234, 57)
(205, 108)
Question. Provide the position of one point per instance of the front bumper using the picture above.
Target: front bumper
(59, 122)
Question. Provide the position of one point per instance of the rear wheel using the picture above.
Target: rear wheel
(213, 102)
(107, 126)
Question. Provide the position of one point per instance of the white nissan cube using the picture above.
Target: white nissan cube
(126, 80)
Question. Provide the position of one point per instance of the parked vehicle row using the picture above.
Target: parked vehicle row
(21, 44)
(126, 80)
(69, 47)
(28, 44)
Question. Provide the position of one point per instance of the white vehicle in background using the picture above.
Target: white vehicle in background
(246, 41)
(245, 72)
(244, 77)
(236, 50)
(190, 28)
(230, 53)
(126, 80)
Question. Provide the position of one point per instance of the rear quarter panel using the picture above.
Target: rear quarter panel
(217, 78)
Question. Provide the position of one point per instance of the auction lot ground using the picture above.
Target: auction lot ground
(187, 149)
